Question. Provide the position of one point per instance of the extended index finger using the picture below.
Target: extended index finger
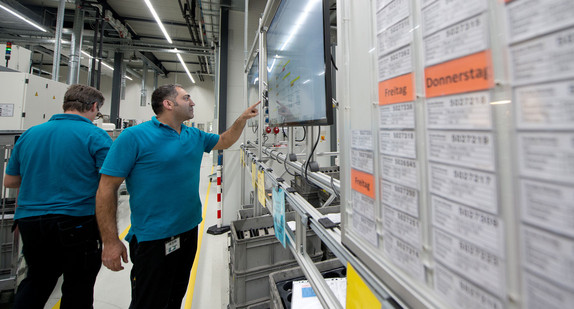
(254, 105)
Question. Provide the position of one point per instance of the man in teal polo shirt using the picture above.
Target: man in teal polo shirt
(56, 165)
(160, 161)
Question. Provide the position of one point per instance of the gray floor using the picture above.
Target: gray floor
(211, 288)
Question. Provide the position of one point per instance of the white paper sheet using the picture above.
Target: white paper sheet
(549, 256)
(464, 38)
(461, 111)
(548, 205)
(397, 116)
(468, 187)
(461, 293)
(482, 267)
(546, 106)
(471, 149)
(480, 228)
(544, 59)
(527, 19)
(399, 170)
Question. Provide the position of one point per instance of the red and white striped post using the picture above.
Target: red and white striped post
(218, 228)
(219, 196)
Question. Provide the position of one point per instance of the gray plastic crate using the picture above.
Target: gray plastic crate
(280, 282)
(252, 287)
(262, 305)
(248, 213)
(263, 251)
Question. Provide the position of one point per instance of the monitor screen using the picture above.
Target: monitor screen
(253, 88)
(298, 64)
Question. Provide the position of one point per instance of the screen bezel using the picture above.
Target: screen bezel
(327, 78)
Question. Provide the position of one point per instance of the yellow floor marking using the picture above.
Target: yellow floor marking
(193, 275)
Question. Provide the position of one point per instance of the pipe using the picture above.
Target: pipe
(59, 25)
(76, 45)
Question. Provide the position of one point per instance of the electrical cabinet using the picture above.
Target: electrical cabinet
(29, 100)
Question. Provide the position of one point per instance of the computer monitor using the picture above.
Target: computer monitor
(299, 64)
(253, 88)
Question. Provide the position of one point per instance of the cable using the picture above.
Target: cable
(285, 165)
(311, 154)
(304, 135)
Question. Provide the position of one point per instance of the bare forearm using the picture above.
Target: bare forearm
(231, 136)
(106, 208)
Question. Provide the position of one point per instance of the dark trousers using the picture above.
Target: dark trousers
(158, 280)
(54, 245)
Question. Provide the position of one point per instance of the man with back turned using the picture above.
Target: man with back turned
(56, 166)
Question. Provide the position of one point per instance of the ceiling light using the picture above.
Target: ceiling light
(160, 24)
(185, 67)
(22, 18)
(105, 64)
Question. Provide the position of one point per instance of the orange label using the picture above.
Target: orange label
(397, 90)
(470, 73)
(363, 182)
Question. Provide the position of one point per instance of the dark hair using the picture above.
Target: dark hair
(164, 92)
(81, 97)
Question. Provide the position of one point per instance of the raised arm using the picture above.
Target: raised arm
(106, 208)
(229, 137)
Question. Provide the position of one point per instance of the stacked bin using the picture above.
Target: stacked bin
(9, 246)
(255, 252)
(281, 282)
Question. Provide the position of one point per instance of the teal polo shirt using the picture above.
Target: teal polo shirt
(161, 168)
(59, 162)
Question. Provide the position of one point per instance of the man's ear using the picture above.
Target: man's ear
(94, 107)
(167, 104)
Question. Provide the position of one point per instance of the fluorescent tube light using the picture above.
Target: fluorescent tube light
(22, 18)
(160, 24)
(105, 64)
(185, 67)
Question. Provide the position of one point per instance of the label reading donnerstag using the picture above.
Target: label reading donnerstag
(548, 156)
(461, 293)
(463, 111)
(392, 13)
(400, 197)
(549, 256)
(404, 255)
(540, 60)
(444, 13)
(399, 170)
(362, 139)
(465, 38)
(466, 186)
(398, 143)
(539, 293)
(467, 148)
(527, 19)
(362, 160)
(474, 263)
(545, 107)
(402, 225)
(396, 63)
(397, 35)
(480, 228)
(397, 116)
(548, 206)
